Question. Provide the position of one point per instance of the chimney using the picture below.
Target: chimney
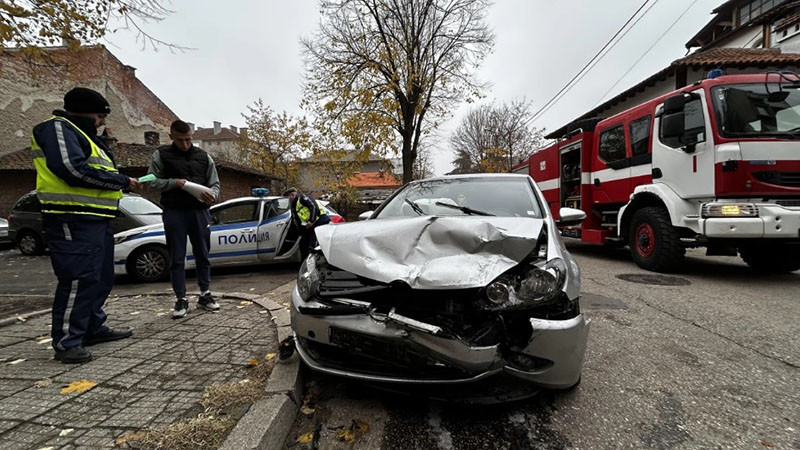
(191, 125)
(130, 69)
(233, 128)
(152, 138)
(217, 127)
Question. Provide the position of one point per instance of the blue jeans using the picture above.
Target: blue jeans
(179, 223)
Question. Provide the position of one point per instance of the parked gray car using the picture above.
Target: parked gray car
(452, 280)
(25, 221)
(4, 238)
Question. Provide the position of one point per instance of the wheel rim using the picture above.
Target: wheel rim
(645, 240)
(150, 264)
(27, 244)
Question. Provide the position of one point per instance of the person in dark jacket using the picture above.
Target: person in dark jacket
(307, 214)
(79, 187)
(184, 215)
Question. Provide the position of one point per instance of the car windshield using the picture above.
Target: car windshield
(480, 196)
(139, 206)
(757, 110)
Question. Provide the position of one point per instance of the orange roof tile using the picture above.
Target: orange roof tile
(373, 180)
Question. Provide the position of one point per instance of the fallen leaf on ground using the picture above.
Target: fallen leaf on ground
(245, 303)
(46, 448)
(21, 319)
(17, 361)
(135, 313)
(270, 356)
(66, 432)
(78, 386)
(263, 311)
(45, 341)
(305, 438)
(253, 362)
(128, 437)
(252, 289)
(767, 443)
(43, 383)
(357, 429)
(239, 307)
(307, 411)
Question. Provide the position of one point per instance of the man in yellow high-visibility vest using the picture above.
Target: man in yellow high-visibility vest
(79, 187)
(307, 214)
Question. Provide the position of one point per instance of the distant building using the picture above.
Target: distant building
(31, 89)
(219, 141)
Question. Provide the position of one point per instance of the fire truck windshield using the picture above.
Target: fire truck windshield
(757, 110)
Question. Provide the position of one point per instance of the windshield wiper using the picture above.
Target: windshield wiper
(415, 207)
(464, 209)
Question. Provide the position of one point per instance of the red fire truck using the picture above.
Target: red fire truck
(715, 164)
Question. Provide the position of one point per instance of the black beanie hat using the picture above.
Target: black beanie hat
(85, 100)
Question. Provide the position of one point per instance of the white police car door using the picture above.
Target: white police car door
(233, 232)
(276, 218)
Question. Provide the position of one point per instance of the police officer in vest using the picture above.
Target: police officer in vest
(79, 187)
(307, 214)
(184, 215)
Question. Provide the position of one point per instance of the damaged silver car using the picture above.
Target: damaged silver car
(452, 280)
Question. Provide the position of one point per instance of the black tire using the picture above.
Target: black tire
(771, 258)
(149, 263)
(654, 243)
(30, 243)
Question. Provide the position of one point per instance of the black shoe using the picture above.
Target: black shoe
(110, 335)
(207, 302)
(73, 355)
(181, 308)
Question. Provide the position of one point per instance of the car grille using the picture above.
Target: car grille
(356, 352)
(789, 202)
(788, 179)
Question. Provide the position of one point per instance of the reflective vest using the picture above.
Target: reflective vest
(304, 213)
(58, 197)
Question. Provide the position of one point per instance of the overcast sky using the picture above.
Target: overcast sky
(249, 49)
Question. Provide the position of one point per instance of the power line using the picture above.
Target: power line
(591, 61)
(546, 108)
(647, 51)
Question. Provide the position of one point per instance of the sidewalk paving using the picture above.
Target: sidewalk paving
(153, 379)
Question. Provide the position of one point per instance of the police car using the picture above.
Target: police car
(245, 230)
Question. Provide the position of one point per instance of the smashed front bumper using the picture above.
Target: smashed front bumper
(398, 349)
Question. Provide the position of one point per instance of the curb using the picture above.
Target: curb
(23, 317)
(268, 422)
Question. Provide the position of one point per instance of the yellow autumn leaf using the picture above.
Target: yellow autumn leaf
(245, 303)
(305, 438)
(253, 362)
(128, 437)
(78, 386)
(270, 356)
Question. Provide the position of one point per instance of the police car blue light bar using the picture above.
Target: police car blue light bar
(260, 192)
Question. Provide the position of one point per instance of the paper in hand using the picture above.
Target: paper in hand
(147, 178)
(197, 190)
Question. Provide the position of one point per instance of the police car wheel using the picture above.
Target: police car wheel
(150, 263)
(30, 243)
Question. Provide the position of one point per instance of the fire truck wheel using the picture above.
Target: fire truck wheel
(771, 258)
(654, 242)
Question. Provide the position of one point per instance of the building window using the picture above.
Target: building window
(612, 144)
(752, 9)
(640, 136)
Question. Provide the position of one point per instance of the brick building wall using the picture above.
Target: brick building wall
(30, 91)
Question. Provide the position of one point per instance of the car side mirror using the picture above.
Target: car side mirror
(214, 220)
(570, 217)
(365, 215)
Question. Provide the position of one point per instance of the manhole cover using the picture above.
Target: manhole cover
(652, 279)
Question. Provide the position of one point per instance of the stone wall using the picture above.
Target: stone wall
(31, 90)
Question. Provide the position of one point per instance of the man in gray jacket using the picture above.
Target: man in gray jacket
(184, 215)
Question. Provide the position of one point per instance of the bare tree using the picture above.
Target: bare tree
(376, 67)
(493, 138)
(30, 24)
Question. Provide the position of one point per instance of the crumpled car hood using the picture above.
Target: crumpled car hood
(431, 252)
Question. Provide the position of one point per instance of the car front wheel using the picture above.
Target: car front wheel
(148, 264)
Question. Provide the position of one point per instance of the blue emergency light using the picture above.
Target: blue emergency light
(260, 192)
(716, 73)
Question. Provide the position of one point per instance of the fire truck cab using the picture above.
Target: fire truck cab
(715, 164)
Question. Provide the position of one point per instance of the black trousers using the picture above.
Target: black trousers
(308, 237)
(82, 255)
(194, 223)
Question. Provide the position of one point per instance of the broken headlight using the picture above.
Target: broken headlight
(530, 285)
(308, 280)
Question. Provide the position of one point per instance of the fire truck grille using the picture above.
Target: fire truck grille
(789, 179)
(789, 202)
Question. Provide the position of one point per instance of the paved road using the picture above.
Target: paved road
(713, 363)
(27, 283)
